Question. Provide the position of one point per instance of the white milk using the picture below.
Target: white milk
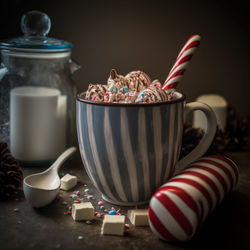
(37, 123)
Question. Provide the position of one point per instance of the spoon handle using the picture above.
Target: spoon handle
(62, 158)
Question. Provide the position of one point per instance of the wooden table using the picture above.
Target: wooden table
(49, 228)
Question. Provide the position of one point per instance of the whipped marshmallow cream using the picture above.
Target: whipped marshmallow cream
(135, 87)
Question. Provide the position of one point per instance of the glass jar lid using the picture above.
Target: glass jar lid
(35, 26)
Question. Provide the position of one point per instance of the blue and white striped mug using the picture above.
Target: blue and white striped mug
(130, 150)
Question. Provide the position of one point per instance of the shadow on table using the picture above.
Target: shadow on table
(227, 227)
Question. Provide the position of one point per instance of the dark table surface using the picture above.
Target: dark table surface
(228, 227)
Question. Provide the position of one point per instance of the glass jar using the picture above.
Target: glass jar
(37, 94)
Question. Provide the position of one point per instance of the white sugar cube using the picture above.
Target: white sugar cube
(68, 181)
(113, 225)
(138, 217)
(83, 211)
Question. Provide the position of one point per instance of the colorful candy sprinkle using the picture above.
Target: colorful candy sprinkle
(59, 196)
(125, 89)
(102, 207)
(90, 197)
(127, 226)
(74, 196)
(100, 203)
(86, 190)
(76, 192)
(112, 212)
(80, 237)
(77, 200)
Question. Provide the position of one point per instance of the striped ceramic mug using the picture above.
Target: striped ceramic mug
(130, 150)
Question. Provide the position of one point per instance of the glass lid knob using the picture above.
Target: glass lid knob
(35, 23)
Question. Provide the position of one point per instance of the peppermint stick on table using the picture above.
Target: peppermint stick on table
(180, 206)
(181, 63)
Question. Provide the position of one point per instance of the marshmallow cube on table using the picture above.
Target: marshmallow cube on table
(181, 205)
(113, 225)
(83, 211)
(68, 181)
(218, 105)
(138, 217)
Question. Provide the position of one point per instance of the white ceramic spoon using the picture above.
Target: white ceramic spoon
(42, 188)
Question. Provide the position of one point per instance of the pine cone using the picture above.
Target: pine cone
(236, 131)
(218, 145)
(10, 173)
(190, 139)
(234, 138)
(192, 136)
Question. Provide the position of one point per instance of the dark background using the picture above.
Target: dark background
(148, 35)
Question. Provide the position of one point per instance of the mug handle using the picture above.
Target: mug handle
(207, 138)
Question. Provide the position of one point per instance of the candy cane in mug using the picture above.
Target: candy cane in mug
(178, 208)
(181, 62)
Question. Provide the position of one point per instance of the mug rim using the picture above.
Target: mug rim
(81, 99)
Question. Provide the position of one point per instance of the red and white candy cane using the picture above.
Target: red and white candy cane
(181, 62)
(184, 202)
